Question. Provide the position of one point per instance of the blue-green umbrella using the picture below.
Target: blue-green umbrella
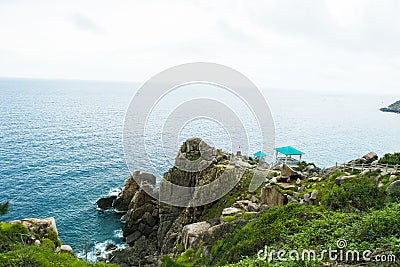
(260, 154)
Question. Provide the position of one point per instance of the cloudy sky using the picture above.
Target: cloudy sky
(332, 45)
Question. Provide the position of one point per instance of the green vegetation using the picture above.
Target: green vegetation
(391, 159)
(15, 250)
(358, 211)
(240, 191)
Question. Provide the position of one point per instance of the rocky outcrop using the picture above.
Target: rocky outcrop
(142, 216)
(192, 232)
(42, 228)
(38, 226)
(106, 203)
(395, 107)
(270, 196)
(370, 157)
(121, 203)
(289, 174)
(131, 185)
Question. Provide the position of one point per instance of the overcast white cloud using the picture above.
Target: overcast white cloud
(303, 44)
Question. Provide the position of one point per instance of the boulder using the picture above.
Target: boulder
(193, 231)
(392, 178)
(230, 211)
(272, 197)
(392, 186)
(340, 180)
(286, 186)
(110, 246)
(246, 205)
(289, 173)
(310, 168)
(314, 194)
(291, 199)
(370, 157)
(106, 203)
(130, 239)
(301, 188)
(66, 248)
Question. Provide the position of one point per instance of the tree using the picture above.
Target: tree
(4, 207)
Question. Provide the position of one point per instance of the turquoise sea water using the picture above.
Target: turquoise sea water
(61, 144)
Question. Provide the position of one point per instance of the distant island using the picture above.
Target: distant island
(395, 107)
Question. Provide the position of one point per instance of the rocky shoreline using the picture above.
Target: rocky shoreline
(154, 230)
(395, 107)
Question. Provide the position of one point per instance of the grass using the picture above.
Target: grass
(13, 253)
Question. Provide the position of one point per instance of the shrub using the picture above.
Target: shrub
(358, 194)
(390, 159)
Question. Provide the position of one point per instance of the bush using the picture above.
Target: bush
(392, 159)
(53, 236)
(357, 194)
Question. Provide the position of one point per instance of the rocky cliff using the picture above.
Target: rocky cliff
(153, 230)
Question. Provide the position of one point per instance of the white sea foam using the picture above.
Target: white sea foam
(114, 191)
(99, 249)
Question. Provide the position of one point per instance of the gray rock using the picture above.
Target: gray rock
(106, 203)
(291, 199)
(392, 186)
(148, 177)
(392, 178)
(285, 186)
(128, 191)
(340, 180)
(307, 197)
(310, 168)
(230, 211)
(130, 239)
(289, 173)
(66, 248)
(253, 207)
(193, 231)
(370, 157)
(301, 188)
(272, 197)
(273, 180)
(314, 194)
